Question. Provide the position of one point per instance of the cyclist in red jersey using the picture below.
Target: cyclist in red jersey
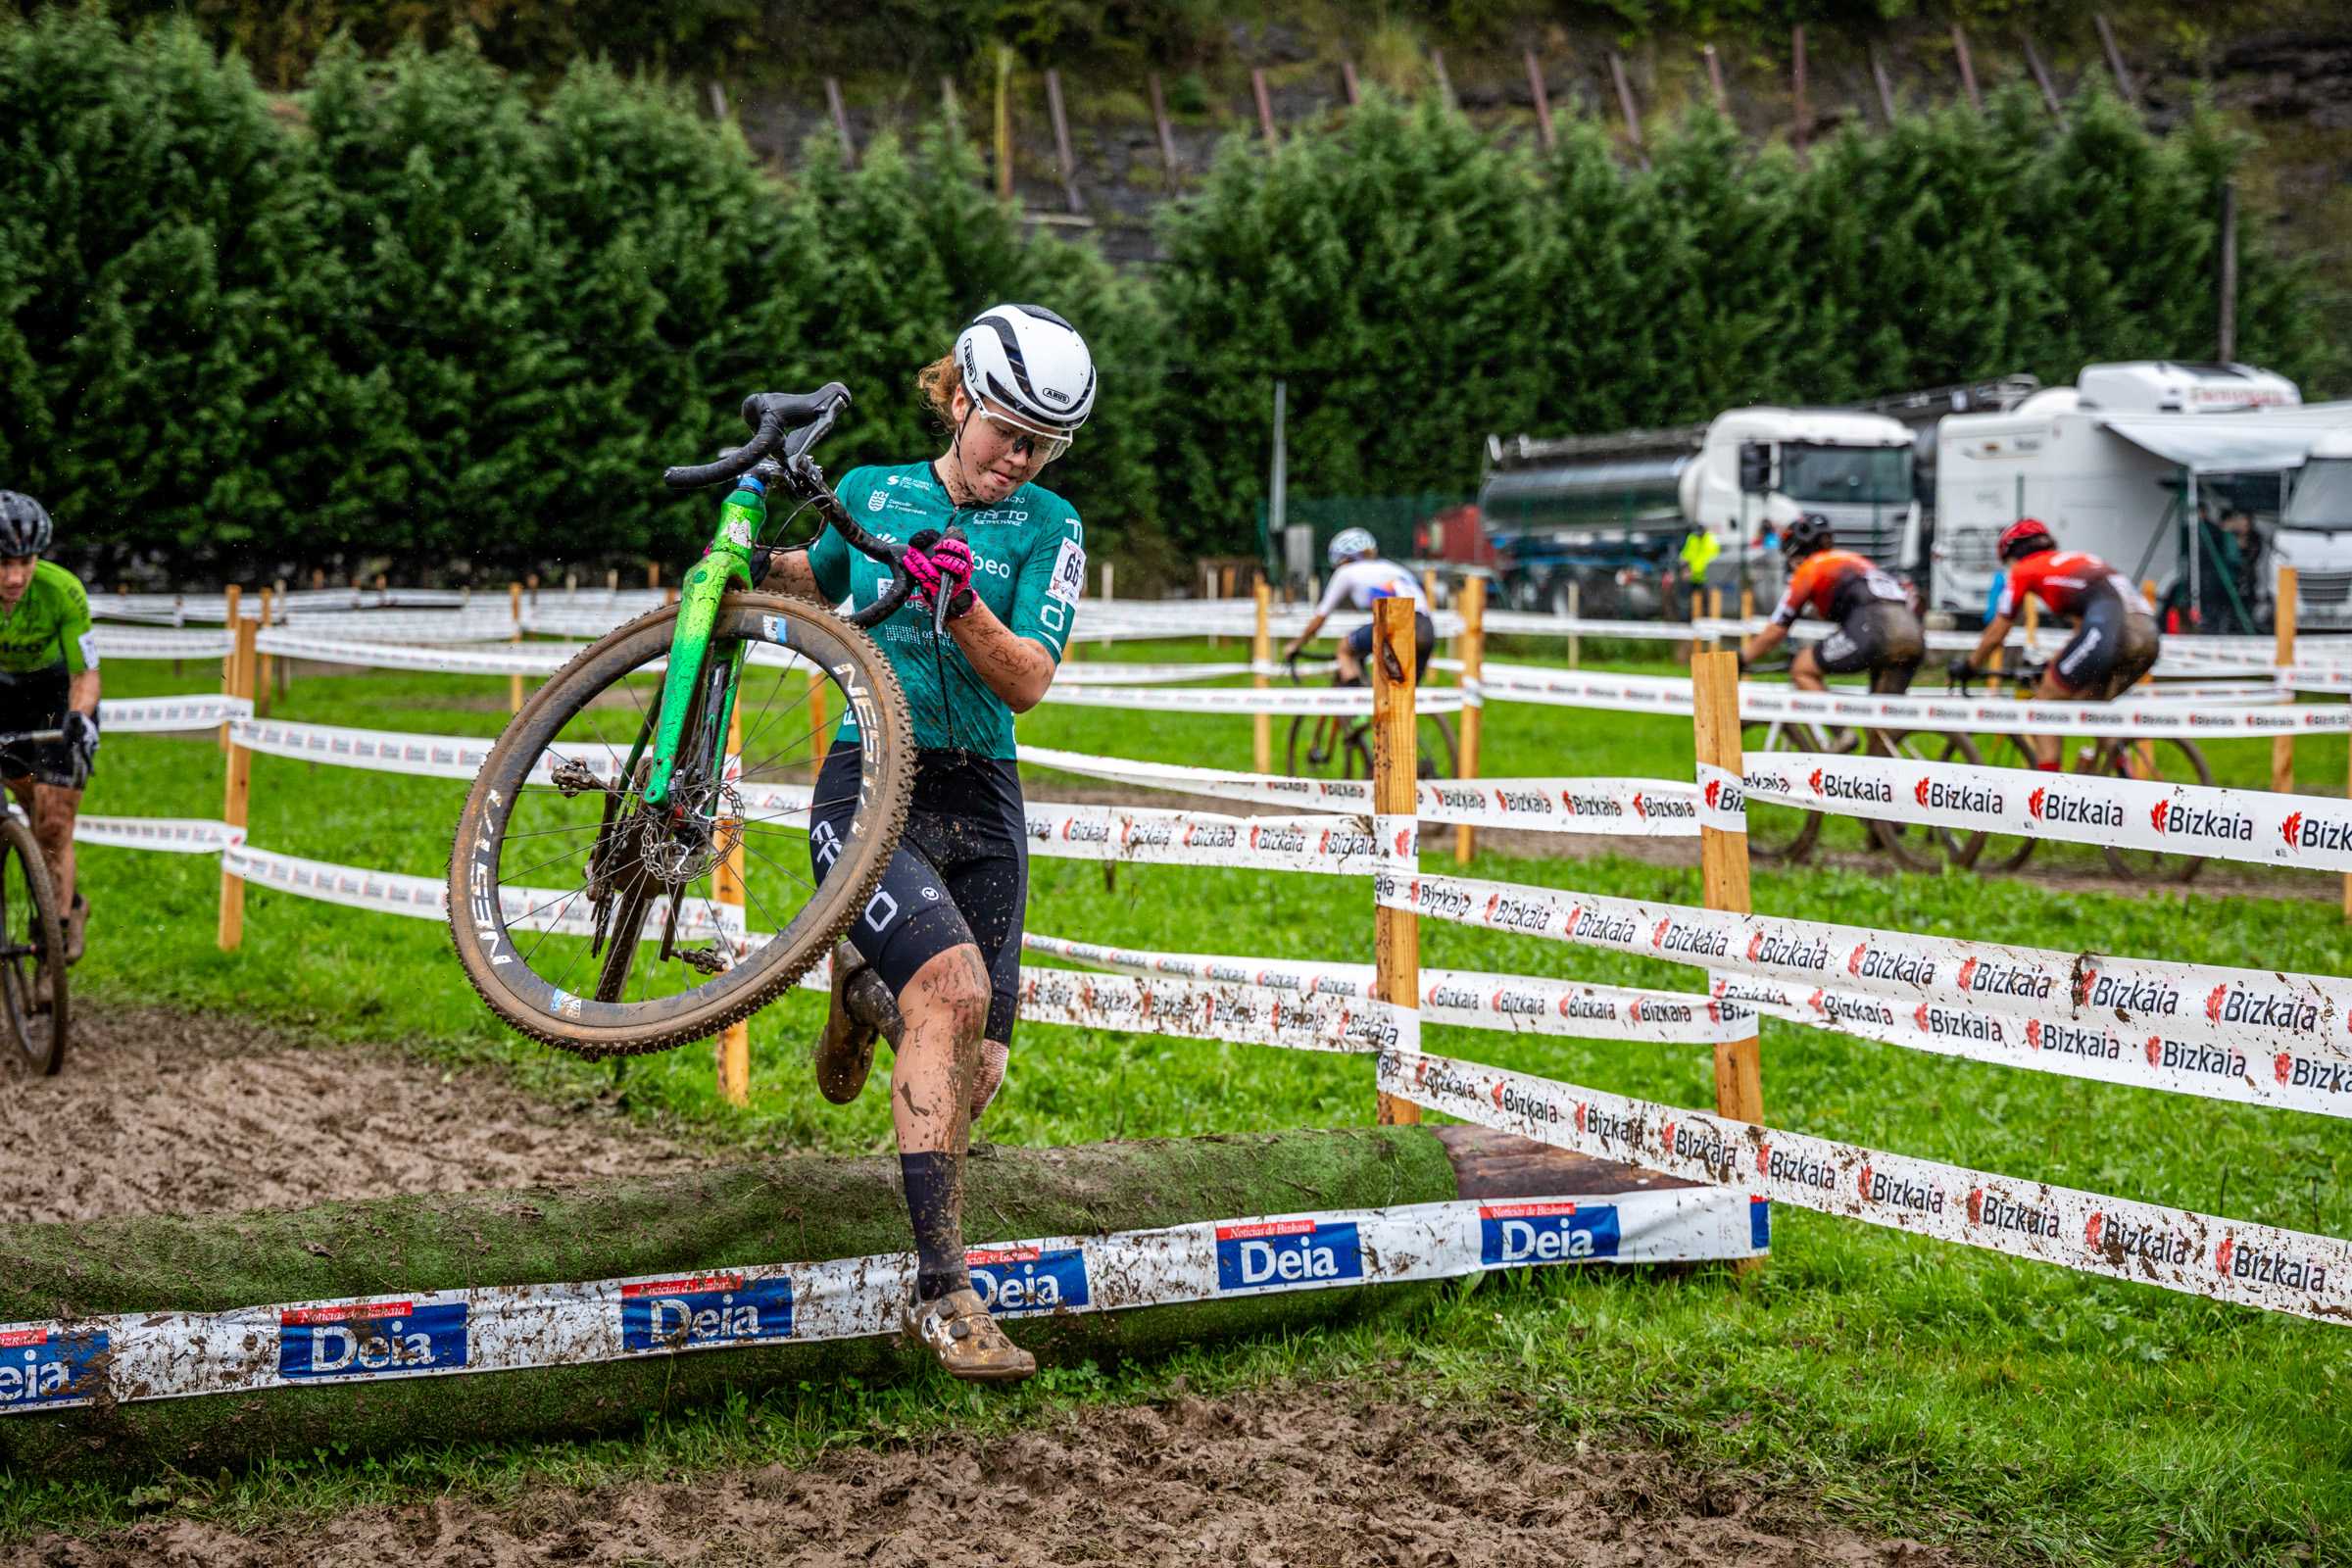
(1875, 628)
(2115, 642)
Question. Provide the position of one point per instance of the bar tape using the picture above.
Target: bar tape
(2305, 831)
(2059, 1041)
(2255, 1011)
(2174, 1248)
(1511, 1003)
(164, 1356)
(1619, 807)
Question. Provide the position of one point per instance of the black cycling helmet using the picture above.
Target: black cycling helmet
(24, 527)
(1805, 535)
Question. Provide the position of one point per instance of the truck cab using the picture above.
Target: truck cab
(1854, 469)
(2315, 534)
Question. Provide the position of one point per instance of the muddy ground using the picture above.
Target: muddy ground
(164, 1112)
(1294, 1477)
(160, 1111)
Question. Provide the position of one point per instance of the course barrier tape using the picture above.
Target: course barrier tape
(163, 715)
(2305, 831)
(2067, 1046)
(2256, 1013)
(1297, 700)
(173, 834)
(2176, 1249)
(1722, 800)
(1148, 835)
(2152, 717)
(1209, 1010)
(113, 641)
(1621, 806)
(1510, 1004)
(55, 1365)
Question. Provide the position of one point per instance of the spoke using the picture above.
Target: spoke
(545, 934)
(753, 734)
(782, 870)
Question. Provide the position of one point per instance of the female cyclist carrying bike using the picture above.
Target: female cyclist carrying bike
(933, 960)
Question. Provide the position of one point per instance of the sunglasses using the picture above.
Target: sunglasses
(1028, 440)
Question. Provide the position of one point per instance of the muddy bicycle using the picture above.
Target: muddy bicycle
(629, 869)
(33, 1005)
(1340, 745)
(1789, 834)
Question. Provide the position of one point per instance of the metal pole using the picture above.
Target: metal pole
(1722, 100)
(1802, 112)
(841, 122)
(2114, 60)
(1625, 105)
(1278, 480)
(1167, 132)
(1436, 66)
(2225, 333)
(1877, 73)
(2041, 77)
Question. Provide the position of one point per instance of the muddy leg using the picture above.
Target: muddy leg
(945, 1008)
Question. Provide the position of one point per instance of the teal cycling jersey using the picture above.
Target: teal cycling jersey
(1028, 567)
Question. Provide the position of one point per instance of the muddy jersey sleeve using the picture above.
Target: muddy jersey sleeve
(1053, 577)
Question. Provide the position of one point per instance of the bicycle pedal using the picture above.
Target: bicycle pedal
(709, 961)
(572, 777)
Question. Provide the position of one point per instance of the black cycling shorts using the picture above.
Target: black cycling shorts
(1425, 642)
(1882, 637)
(2113, 647)
(37, 700)
(960, 874)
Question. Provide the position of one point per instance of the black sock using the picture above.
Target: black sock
(935, 1204)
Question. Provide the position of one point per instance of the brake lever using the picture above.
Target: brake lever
(939, 607)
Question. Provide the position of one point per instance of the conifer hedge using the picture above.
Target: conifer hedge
(426, 316)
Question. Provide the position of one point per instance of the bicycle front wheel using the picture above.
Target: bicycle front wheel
(2171, 759)
(602, 925)
(1776, 832)
(1918, 846)
(33, 948)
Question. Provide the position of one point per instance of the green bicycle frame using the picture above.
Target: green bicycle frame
(726, 564)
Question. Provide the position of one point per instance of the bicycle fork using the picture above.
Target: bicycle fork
(728, 563)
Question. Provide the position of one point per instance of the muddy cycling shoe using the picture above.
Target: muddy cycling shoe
(78, 920)
(862, 1007)
(964, 1340)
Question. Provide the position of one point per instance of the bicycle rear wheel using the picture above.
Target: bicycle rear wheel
(2009, 851)
(1921, 846)
(2171, 760)
(32, 947)
(1434, 754)
(1776, 832)
(602, 925)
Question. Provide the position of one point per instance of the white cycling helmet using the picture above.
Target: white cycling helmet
(1030, 368)
(1349, 543)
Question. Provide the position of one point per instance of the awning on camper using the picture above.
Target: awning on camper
(2221, 443)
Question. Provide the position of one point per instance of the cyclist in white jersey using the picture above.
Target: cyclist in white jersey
(1360, 578)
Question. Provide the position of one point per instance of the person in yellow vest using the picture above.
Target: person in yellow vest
(1700, 549)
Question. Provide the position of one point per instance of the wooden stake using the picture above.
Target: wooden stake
(734, 1041)
(1396, 933)
(2114, 60)
(2226, 304)
(2041, 75)
(841, 122)
(2282, 747)
(1722, 100)
(1625, 105)
(1004, 124)
(1261, 654)
(241, 782)
(653, 574)
(1167, 132)
(266, 681)
(1437, 69)
(1061, 142)
(234, 617)
(1474, 663)
(1265, 106)
(1877, 73)
(1107, 581)
(1354, 88)
(1542, 97)
(284, 667)
(515, 682)
(1968, 69)
(1800, 128)
(1723, 866)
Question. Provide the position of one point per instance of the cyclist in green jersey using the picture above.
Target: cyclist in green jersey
(48, 680)
(933, 960)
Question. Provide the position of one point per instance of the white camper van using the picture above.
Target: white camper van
(2315, 534)
(2109, 463)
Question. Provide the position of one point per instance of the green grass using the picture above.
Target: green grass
(2025, 1413)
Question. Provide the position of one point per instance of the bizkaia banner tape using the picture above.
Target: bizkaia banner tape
(167, 1356)
(2304, 831)
(2176, 1249)
(2257, 1012)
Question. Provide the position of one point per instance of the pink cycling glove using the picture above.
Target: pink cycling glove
(946, 566)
